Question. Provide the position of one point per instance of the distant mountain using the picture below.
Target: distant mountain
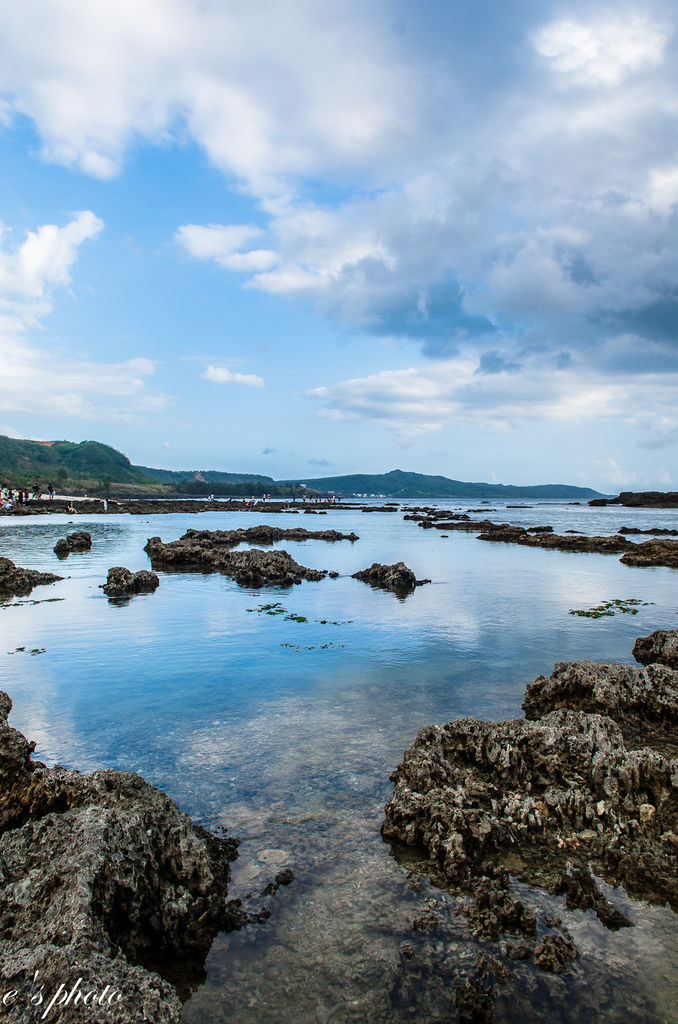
(92, 465)
(398, 484)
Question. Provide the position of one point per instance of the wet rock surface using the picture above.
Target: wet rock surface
(18, 582)
(642, 701)
(122, 582)
(566, 801)
(660, 647)
(264, 534)
(653, 552)
(397, 577)
(78, 541)
(104, 880)
(545, 539)
(254, 567)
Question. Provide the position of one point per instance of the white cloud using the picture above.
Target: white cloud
(224, 243)
(413, 402)
(35, 380)
(222, 375)
(604, 49)
(45, 258)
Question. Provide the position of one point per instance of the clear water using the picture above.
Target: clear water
(286, 732)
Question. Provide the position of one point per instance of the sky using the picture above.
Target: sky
(307, 239)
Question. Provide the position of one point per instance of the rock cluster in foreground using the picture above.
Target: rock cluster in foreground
(122, 582)
(253, 568)
(554, 799)
(18, 582)
(397, 577)
(103, 879)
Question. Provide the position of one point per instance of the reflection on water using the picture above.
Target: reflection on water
(253, 722)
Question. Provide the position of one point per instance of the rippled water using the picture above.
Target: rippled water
(286, 731)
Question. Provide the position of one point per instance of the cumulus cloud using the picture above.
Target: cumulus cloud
(418, 401)
(222, 375)
(517, 195)
(35, 380)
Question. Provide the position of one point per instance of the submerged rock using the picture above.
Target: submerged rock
(396, 577)
(254, 567)
(123, 582)
(104, 880)
(18, 582)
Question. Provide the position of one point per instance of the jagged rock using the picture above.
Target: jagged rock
(205, 540)
(105, 880)
(123, 582)
(660, 647)
(254, 567)
(18, 582)
(642, 701)
(555, 954)
(563, 788)
(396, 577)
(494, 912)
(79, 541)
(581, 890)
(653, 552)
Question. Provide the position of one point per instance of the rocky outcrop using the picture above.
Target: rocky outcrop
(397, 577)
(105, 882)
(18, 582)
(193, 540)
(660, 647)
(642, 701)
(553, 541)
(653, 552)
(122, 582)
(79, 541)
(641, 499)
(558, 799)
(656, 532)
(254, 568)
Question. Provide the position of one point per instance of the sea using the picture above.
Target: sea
(279, 715)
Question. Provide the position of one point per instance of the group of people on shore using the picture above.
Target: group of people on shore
(11, 496)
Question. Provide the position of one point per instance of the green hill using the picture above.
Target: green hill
(24, 462)
(91, 465)
(398, 484)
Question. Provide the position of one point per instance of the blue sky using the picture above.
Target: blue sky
(307, 238)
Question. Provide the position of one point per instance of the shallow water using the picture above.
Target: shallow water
(286, 733)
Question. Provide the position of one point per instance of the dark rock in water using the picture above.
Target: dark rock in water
(661, 647)
(62, 548)
(105, 880)
(494, 912)
(254, 568)
(655, 532)
(555, 954)
(642, 701)
(581, 890)
(123, 582)
(389, 577)
(552, 797)
(653, 552)
(641, 499)
(263, 534)
(18, 582)
(553, 541)
(474, 1003)
(78, 541)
